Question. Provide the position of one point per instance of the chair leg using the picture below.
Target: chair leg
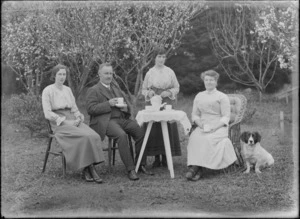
(131, 148)
(47, 154)
(114, 151)
(63, 164)
(109, 153)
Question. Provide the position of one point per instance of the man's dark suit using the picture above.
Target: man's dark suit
(114, 123)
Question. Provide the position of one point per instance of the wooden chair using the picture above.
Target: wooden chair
(111, 149)
(51, 136)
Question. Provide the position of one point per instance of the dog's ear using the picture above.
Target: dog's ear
(243, 137)
(258, 136)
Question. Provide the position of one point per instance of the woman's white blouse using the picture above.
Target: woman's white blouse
(163, 79)
(55, 99)
(211, 103)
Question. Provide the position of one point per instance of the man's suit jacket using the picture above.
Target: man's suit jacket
(99, 108)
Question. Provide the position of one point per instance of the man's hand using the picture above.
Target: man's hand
(124, 108)
(113, 101)
(165, 94)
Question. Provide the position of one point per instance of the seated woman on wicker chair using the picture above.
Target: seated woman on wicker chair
(78, 141)
(209, 145)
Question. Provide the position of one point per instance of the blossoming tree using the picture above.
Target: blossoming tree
(249, 41)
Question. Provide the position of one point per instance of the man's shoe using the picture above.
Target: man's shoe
(86, 175)
(94, 174)
(132, 175)
(145, 171)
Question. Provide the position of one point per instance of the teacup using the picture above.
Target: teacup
(148, 108)
(206, 128)
(168, 107)
(120, 100)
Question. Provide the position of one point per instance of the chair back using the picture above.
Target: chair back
(238, 103)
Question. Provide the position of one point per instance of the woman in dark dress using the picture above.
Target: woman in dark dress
(161, 80)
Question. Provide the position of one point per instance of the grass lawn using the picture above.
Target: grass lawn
(27, 192)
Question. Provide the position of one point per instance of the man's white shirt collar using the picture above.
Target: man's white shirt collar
(107, 86)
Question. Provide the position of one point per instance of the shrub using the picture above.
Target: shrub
(26, 110)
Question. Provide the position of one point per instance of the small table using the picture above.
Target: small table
(162, 117)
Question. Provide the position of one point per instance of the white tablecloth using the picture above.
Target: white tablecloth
(165, 115)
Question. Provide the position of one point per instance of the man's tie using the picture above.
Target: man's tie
(112, 90)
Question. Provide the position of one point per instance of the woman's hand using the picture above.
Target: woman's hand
(68, 122)
(77, 122)
(151, 93)
(81, 117)
(165, 94)
(199, 123)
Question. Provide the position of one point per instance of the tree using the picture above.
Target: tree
(22, 49)
(86, 34)
(246, 55)
(150, 25)
(279, 22)
(83, 36)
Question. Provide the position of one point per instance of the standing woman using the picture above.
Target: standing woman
(80, 144)
(209, 145)
(161, 80)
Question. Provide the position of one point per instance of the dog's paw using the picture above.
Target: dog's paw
(246, 172)
(257, 171)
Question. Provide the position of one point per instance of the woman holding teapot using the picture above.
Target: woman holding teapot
(161, 80)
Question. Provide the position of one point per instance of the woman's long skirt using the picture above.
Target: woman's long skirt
(155, 143)
(210, 150)
(81, 145)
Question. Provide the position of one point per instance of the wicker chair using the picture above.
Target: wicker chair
(238, 103)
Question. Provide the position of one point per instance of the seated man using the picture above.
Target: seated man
(107, 118)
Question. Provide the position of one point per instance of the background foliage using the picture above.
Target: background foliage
(36, 36)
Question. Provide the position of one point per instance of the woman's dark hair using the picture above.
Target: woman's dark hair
(159, 51)
(55, 69)
(210, 73)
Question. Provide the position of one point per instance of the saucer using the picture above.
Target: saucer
(120, 104)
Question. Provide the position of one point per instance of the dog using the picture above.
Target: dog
(253, 153)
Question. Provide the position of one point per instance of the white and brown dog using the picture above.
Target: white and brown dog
(253, 153)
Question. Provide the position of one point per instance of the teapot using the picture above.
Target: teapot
(156, 102)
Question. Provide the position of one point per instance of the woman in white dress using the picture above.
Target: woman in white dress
(209, 145)
(81, 145)
(161, 80)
